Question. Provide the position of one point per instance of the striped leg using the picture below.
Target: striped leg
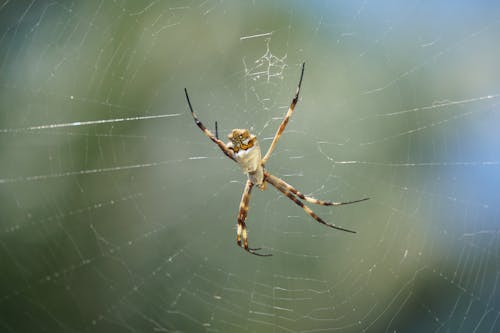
(242, 216)
(291, 196)
(285, 120)
(292, 189)
(212, 137)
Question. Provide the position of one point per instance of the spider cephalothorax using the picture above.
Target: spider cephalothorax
(241, 139)
(244, 149)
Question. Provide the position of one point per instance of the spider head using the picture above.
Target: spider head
(241, 139)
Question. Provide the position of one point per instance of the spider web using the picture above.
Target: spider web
(118, 214)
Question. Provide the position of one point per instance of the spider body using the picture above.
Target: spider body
(243, 148)
(246, 150)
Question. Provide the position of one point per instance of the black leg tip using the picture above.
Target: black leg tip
(253, 251)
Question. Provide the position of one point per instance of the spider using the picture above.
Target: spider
(243, 148)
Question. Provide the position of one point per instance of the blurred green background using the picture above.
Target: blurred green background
(118, 215)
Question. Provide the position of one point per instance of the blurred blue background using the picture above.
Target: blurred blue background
(117, 214)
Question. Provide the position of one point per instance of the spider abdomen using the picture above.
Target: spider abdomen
(249, 161)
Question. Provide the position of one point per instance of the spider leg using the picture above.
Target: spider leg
(292, 189)
(212, 137)
(242, 227)
(285, 120)
(308, 210)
